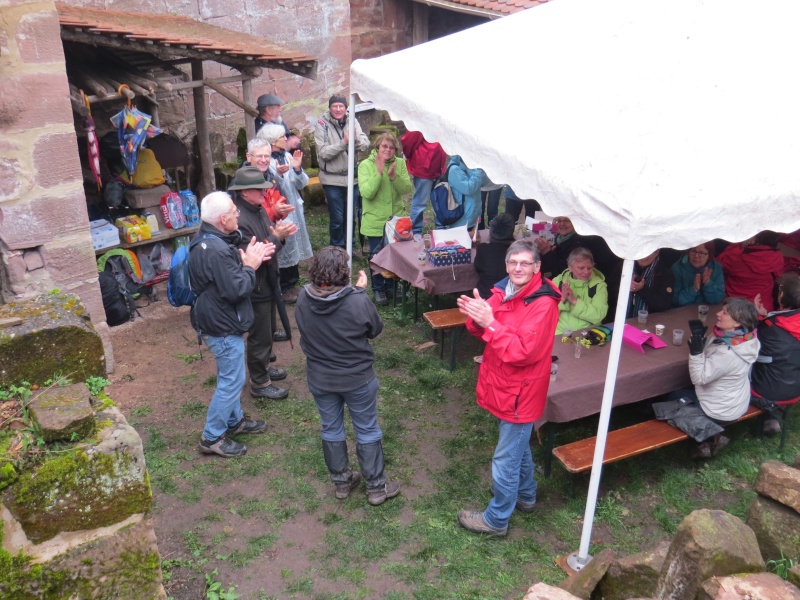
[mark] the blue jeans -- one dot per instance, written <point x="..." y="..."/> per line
<point x="363" y="406"/>
<point x="336" y="197"/>
<point x="379" y="282"/>
<point x="225" y="409"/>
<point x="419" y="202"/>
<point x="512" y="473"/>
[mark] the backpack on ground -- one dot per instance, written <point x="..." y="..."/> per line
<point x="445" y="206"/>
<point x="115" y="302"/>
<point x="123" y="267"/>
<point x="179" y="286"/>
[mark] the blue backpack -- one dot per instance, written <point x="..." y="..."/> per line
<point x="445" y="206"/>
<point x="179" y="287"/>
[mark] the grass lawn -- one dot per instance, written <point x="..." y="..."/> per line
<point x="267" y="525"/>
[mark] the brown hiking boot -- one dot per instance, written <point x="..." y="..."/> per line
<point x="343" y="489"/>
<point x="381" y="495"/>
<point x="473" y="520"/>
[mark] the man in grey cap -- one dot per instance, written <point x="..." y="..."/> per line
<point x="247" y="188"/>
<point x="269" y="107"/>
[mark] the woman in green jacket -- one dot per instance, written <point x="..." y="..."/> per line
<point x="584" y="293"/>
<point x="382" y="180"/>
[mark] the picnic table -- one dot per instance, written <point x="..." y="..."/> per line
<point x="577" y="391"/>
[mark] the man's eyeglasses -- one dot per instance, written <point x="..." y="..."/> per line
<point x="698" y="253"/>
<point x="234" y="212"/>
<point x="258" y="158"/>
<point x="519" y="263"/>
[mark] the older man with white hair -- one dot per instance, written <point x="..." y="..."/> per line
<point x="223" y="276"/>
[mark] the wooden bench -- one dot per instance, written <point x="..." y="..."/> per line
<point x="628" y="441"/>
<point x="443" y="321"/>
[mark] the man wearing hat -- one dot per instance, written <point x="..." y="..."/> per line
<point x="332" y="137"/>
<point x="269" y="108"/>
<point x="248" y="187"/>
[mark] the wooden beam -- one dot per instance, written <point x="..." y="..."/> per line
<point x="185" y="85"/>
<point x="247" y="98"/>
<point x="206" y="184"/>
<point x="232" y="97"/>
<point x="419" y="34"/>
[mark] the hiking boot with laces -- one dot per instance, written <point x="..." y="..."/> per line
<point x="381" y="495"/>
<point x="343" y="489"/>
<point x="276" y="373"/>
<point x="280" y="336"/>
<point x="474" y="521"/>
<point x="223" y="447"/>
<point x="269" y="391"/>
<point x="248" y="425"/>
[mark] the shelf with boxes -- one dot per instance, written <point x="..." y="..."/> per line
<point x="162" y="215"/>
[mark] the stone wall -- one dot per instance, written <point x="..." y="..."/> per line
<point x="44" y="230"/>
<point x="380" y="26"/>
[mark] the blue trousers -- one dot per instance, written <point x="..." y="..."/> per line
<point x="336" y="197"/>
<point x="419" y="202"/>
<point x="225" y="409"/>
<point x="512" y="472"/>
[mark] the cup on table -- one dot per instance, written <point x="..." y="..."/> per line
<point x="567" y="332"/>
<point x="677" y="337"/>
<point x="553" y="372"/>
<point x="702" y="312"/>
<point x="422" y="257"/>
<point x="417" y="240"/>
<point x="659" y="330"/>
<point x="426" y="240"/>
<point x="643" y="316"/>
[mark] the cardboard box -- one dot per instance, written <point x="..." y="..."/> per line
<point x="444" y="256"/>
<point x="104" y="236"/>
<point x="133" y="228"/>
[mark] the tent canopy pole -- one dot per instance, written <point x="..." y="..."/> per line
<point x="351" y="162"/>
<point x="582" y="558"/>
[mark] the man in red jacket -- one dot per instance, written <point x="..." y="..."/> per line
<point x="518" y="324"/>
<point x="425" y="162"/>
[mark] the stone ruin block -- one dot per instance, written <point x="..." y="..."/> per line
<point x="583" y="582"/>
<point x="777" y="528"/>
<point x="707" y="543"/>
<point x="542" y="591"/>
<point x="55" y="337"/>
<point x="635" y="575"/>
<point x="779" y="482"/>
<point x="63" y="412"/>
<point x="761" y="586"/>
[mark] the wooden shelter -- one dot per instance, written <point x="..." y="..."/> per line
<point x="143" y="50"/>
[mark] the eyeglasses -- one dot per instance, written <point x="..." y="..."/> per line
<point x="519" y="263"/>
<point x="558" y="220"/>
<point x="698" y="253"/>
<point x="260" y="158"/>
<point x="388" y="147"/>
<point x="235" y="212"/>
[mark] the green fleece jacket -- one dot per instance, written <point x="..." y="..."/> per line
<point x="592" y="305"/>
<point x="381" y="197"/>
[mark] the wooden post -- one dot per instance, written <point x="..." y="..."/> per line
<point x="206" y="184"/>
<point x="419" y="35"/>
<point x="247" y="98"/>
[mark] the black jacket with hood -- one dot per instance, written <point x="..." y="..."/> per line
<point x="335" y="330"/>
<point x="222" y="284"/>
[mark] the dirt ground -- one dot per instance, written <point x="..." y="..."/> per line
<point x="164" y="392"/>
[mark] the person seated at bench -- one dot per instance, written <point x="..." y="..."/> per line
<point x="751" y="267"/>
<point x="584" y="293"/>
<point x="698" y="277"/>
<point x="490" y="259"/>
<point x="554" y="257"/>
<point x="719" y="365"/>
<point x="776" y="374"/>
<point x="653" y="282"/>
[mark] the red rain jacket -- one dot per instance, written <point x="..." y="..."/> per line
<point x="425" y="160"/>
<point x="751" y="270"/>
<point x="515" y="372"/>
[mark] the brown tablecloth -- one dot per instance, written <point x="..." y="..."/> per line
<point x="578" y="389"/>
<point x="401" y="259"/>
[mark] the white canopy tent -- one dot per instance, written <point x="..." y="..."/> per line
<point x="649" y="123"/>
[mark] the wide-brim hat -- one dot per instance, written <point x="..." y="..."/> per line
<point x="269" y="100"/>
<point x="249" y="178"/>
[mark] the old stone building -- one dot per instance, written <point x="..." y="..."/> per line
<point x="44" y="228"/>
